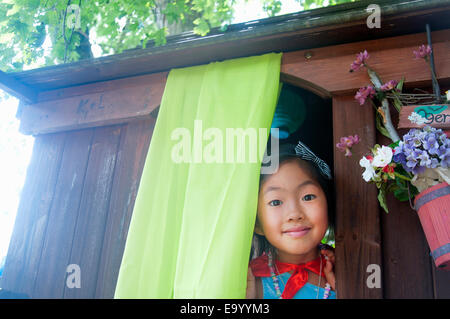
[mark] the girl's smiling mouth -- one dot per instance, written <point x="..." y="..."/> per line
<point x="297" y="231"/>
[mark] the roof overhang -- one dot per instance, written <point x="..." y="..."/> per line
<point x="297" y="31"/>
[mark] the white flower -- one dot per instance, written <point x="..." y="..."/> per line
<point x="369" y="172"/>
<point x="416" y="118"/>
<point x="383" y="157"/>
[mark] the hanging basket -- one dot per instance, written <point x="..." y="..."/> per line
<point x="433" y="208"/>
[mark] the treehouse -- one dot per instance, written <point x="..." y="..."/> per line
<point x="93" y="122"/>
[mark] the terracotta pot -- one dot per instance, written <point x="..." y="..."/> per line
<point x="433" y="208"/>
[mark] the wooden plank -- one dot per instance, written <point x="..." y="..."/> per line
<point x="406" y="256"/>
<point x="441" y="279"/>
<point x="392" y="58"/>
<point x="435" y="115"/>
<point x="23" y="92"/>
<point x="93" y="211"/>
<point x="407" y="264"/>
<point x="94" y="105"/>
<point x="33" y="214"/>
<point x="357" y="214"/>
<point x="99" y="87"/>
<point x="51" y="276"/>
<point x="135" y="140"/>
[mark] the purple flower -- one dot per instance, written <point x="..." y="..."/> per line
<point x="442" y="151"/>
<point x="431" y="145"/>
<point x="415" y="141"/>
<point x="364" y="93"/>
<point x="399" y="155"/>
<point x="346" y="144"/>
<point x="424" y="159"/>
<point x="445" y="156"/>
<point x="423" y="148"/>
<point x="434" y="163"/>
<point x="423" y="52"/>
<point x="413" y="165"/>
<point x="361" y="59"/>
<point x="392" y="84"/>
<point x="442" y="138"/>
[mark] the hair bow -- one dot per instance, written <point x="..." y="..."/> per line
<point x="305" y="153"/>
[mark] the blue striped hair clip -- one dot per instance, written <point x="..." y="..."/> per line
<point x="306" y="154"/>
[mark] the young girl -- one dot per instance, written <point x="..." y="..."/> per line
<point x="292" y="219"/>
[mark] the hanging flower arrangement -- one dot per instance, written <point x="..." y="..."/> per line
<point x="416" y="165"/>
<point x="411" y="164"/>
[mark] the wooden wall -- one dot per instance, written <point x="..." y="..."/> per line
<point x="75" y="209"/>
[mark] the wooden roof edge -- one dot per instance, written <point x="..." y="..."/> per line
<point x="307" y="22"/>
<point x="23" y="92"/>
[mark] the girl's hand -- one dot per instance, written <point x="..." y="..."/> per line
<point x="251" y="285"/>
<point x="328" y="252"/>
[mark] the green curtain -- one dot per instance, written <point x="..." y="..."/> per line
<point x="192" y="224"/>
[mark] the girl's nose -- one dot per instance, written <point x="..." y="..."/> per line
<point x="295" y="216"/>
<point x="295" y="212"/>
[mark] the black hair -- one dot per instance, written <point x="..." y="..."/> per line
<point x="259" y="243"/>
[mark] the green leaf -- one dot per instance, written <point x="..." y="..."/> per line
<point x="380" y="126"/>
<point x="13" y="10"/>
<point x="401" y="194"/>
<point x="382" y="199"/>
<point x="202" y="27"/>
<point x="224" y="28"/>
<point x="394" y="145"/>
<point x="396" y="100"/>
<point x="6" y="37"/>
<point x="400" y="84"/>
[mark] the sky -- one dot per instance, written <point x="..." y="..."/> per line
<point x="15" y="154"/>
<point x="16" y="148"/>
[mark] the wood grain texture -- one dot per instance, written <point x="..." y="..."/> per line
<point x="132" y="152"/>
<point x="32" y="217"/>
<point x="327" y="71"/>
<point x="406" y="256"/>
<point x="93" y="211"/>
<point x="94" y="105"/>
<point x="51" y="276"/>
<point x="358" y="238"/>
<point x="10" y="85"/>
<point x="441" y="279"/>
<point x="84" y="204"/>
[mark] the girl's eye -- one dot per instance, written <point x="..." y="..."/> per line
<point x="275" y="202"/>
<point x="309" y="197"/>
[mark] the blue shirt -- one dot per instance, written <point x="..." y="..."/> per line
<point x="308" y="291"/>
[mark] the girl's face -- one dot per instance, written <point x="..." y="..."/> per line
<point x="292" y="213"/>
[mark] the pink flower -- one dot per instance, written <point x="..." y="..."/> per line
<point x="364" y="93"/>
<point x="392" y="84"/>
<point x="423" y="52"/>
<point x="346" y="143"/>
<point x="361" y="59"/>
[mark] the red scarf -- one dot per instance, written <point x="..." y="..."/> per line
<point x="260" y="268"/>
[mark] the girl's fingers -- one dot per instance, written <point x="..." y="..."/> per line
<point x="329" y="254"/>
<point x="329" y="274"/>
